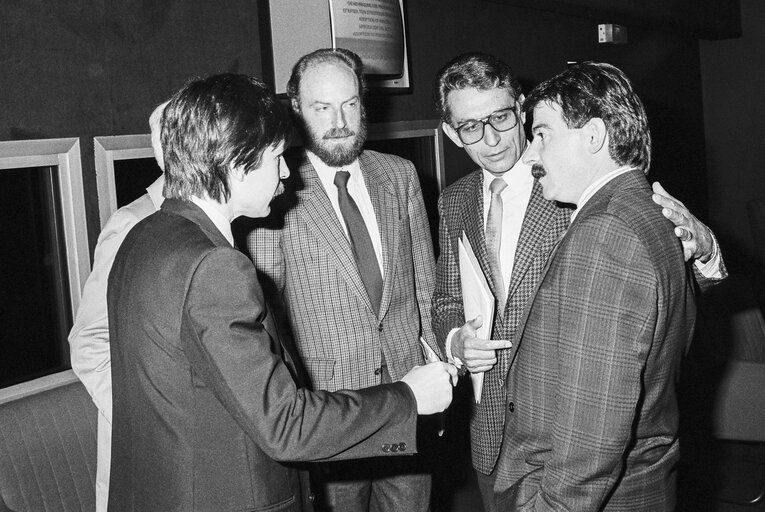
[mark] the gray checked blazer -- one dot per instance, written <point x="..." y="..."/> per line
<point x="338" y="336"/>
<point x="592" y="410"/>
<point x="461" y="209"/>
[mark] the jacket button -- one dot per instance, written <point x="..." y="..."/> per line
<point x="386" y="448"/>
<point x="394" y="448"/>
<point x="378" y="371"/>
<point x="380" y="327"/>
<point x="402" y="447"/>
<point x="511" y="406"/>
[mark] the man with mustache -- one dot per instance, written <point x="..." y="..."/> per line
<point x="595" y="419"/>
<point x="353" y="263"/>
<point x="512" y="229"/>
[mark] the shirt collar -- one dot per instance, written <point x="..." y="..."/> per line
<point x="518" y="176"/>
<point x="597" y="185"/>
<point x="220" y="221"/>
<point x="155" y="191"/>
<point x="327" y="173"/>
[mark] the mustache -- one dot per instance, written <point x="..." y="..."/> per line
<point x="538" y="171"/>
<point x="337" y="133"/>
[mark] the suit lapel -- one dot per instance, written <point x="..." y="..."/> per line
<point x="318" y="214"/>
<point x="544" y="227"/>
<point x="534" y="240"/>
<point x="387" y="212"/>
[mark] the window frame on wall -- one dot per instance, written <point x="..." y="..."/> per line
<point x="109" y="149"/>
<point x="64" y="155"/>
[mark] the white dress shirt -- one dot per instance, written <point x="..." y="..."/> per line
<point x="358" y="191"/>
<point x="515" y="201"/>
<point x="89" y="337"/>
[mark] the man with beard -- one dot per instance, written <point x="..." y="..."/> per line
<point x="204" y="407"/>
<point x="353" y="263"/>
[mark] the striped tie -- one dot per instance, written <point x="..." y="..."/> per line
<point x="494" y="240"/>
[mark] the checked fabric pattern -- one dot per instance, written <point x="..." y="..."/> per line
<point x="461" y="209"/>
<point x="340" y="338"/>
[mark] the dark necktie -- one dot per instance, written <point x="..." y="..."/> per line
<point x="361" y="243"/>
<point x="494" y="239"/>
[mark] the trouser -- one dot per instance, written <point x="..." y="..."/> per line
<point x="486" y="487"/>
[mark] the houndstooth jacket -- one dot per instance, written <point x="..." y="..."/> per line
<point x="309" y="261"/>
<point x="461" y="209"/>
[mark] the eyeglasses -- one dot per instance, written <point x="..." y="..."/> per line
<point x="502" y="120"/>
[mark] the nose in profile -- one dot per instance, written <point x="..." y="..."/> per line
<point x="284" y="171"/>
<point x="532" y="154"/>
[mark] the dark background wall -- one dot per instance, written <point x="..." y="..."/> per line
<point x="98" y="67"/>
<point x="733" y="77"/>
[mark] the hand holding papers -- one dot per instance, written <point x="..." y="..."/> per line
<point x="477" y="299"/>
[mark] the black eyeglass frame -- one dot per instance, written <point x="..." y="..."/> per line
<point x="490" y="121"/>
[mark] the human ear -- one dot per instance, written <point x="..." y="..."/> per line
<point x="452" y="134"/>
<point x="236" y="172"/>
<point x="597" y="134"/>
<point x="519" y="104"/>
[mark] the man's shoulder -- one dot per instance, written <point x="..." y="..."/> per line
<point x="371" y="157"/>
<point x="628" y="197"/>
<point x="140" y="208"/>
<point x="123" y="220"/>
<point x="464" y="185"/>
<point x="166" y="232"/>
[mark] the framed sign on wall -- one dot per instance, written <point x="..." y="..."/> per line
<point x="373" y="29"/>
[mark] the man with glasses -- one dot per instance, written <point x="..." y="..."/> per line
<point x="512" y="230"/>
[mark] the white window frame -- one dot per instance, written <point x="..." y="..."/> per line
<point x="64" y="154"/>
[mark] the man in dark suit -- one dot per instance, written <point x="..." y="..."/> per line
<point x="480" y="103"/>
<point x="592" y="415"/>
<point x="204" y="407"/>
<point x="357" y="285"/>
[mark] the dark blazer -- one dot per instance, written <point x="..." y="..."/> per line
<point x="592" y="411"/>
<point x="461" y="209"/>
<point x="339" y="337"/>
<point x="203" y="405"/>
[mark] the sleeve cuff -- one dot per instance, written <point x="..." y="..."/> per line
<point x="456" y="361"/>
<point x="712" y="269"/>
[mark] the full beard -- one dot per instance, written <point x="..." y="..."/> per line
<point x="334" y="154"/>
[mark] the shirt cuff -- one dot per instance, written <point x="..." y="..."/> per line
<point x="712" y="268"/>
<point x="456" y="361"/>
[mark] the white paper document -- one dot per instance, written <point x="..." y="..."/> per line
<point x="477" y="299"/>
<point x="428" y="353"/>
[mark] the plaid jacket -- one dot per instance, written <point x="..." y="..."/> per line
<point x="309" y="261"/>
<point x="461" y="209"/>
<point x="594" y="416"/>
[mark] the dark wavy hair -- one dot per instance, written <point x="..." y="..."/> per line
<point x="478" y="70"/>
<point x="213" y="124"/>
<point x="590" y="89"/>
<point x="321" y="56"/>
